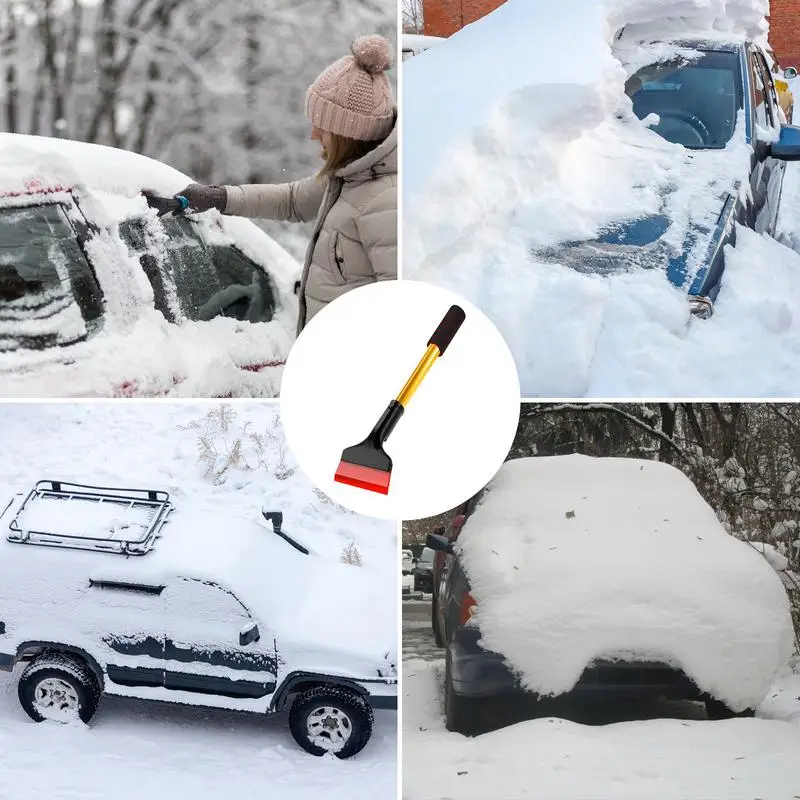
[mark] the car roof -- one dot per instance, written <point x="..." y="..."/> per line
<point x="30" y="163"/>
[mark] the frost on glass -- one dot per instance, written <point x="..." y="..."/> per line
<point x="38" y="252"/>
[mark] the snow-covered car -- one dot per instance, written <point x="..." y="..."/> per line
<point x="100" y="296"/>
<point x="604" y="576"/>
<point x="407" y="562"/>
<point x="717" y="99"/>
<point x="414" y="44"/>
<point x="113" y="591"/>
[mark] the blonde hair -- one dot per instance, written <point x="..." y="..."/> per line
<point x="344" y="151"/>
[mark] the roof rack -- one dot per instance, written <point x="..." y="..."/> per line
<point x="71" y="515"/>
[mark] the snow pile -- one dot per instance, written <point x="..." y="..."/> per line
<point x="513" y="148"/>
<point x="138" y="352"/>
<point x="573" y="559"/>
<point x="657" y="759"/>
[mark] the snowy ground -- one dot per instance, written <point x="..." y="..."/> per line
<point x="619" y="755"/>
<point x="510" y="147"/>
<point x="132" y="749"/>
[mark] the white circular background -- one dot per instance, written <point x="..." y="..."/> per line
<point x="354" y="357"/>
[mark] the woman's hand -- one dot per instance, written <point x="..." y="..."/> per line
<point x="202" y="198"/>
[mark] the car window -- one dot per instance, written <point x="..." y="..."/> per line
<point x="768" y="90"/>
<point x="135" y="235"/>
<point x="215" y="280"/>
<point x="48" y="293"/>
<point x="696" y="101"/>
<point x="205" y="602"/>
<point x="761" y="107"/>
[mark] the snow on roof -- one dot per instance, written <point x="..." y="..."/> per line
<point x="415" y="41"/>
<point x="30" y="161"/>
<point x="573" y="558"/>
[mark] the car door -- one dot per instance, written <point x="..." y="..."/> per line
<point x="126" y="622"/>
<point x="767" y="176"/>
<point x="204" y="649"/>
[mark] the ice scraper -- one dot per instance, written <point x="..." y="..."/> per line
<point x="366" y="465"/>
<point x="164" y="205"/>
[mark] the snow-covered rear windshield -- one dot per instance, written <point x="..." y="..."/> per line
<point x="696" y="101"/>
<point x="214" y="279"/>
<point x="47" y="289"/>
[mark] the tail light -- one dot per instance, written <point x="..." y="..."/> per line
<point x="455" y="526"/>
<point x="467" y="608"/>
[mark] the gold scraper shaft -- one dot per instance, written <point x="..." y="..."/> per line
<point x="422" y="369"/>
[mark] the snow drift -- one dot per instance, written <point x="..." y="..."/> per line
<point x="519" y="138"/>
<point x="573" y="558"/>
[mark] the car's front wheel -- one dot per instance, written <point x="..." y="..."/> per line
<point x="59" y="687"/>
<point x="717" y="710"/>
<point x="331" y="719"/>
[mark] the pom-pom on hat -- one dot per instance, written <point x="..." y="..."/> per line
<point x="352" y="97"/>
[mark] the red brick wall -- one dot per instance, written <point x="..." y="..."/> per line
<point x="445" y="17"/>
<point x="784" y="31"/>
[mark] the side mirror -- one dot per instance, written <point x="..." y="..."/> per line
<point x="440" y="543"/>
<point x="790" y="73"/>
<point x="787" y="148"/>
<point x="249" y="634"/>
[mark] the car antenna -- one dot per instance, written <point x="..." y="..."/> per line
<point x="276" y="518"/>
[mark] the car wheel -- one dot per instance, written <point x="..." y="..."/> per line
<point x="331" y="719"/>
<point x="60" y="687"/>
<point x="717" y="710"/>
<point x="461" y="714"/>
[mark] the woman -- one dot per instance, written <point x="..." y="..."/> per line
<point x="353" y="198"/>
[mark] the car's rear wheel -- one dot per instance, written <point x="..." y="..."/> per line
<point x="58" y="687"/>
<point x="331" y="719"/>
<point x="717" y="710"/>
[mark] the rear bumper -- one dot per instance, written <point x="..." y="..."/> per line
<point x="480" y="673"/>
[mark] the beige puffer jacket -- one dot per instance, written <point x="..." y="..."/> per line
<point x="355" y="235"/>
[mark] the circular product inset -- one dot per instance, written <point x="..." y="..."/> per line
<point x="397" y="358"/>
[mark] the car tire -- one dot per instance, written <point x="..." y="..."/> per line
<point x="717" y="710"/>
<point x="461" y="714"/>
<point x="347" y="712"/>
<point x="60" y="687"/>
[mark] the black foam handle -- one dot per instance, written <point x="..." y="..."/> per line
<point x="448" y="328"/>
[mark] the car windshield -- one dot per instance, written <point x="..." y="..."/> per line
<point x="214" y="279"/>
<point x="696" y="101"/>
<point x="48" y="293"/>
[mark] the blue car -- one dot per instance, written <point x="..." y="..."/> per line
<point x="697" y="96"/>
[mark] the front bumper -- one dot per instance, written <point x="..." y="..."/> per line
<point x="481" y="673"/>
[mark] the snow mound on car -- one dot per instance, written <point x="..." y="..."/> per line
<point x="518" y="136"/>
<point x="573" y="559"/>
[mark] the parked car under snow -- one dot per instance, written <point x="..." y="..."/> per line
<point x="716" y="100"/>
<point x="604" y="576"/>
<point x="113" y="591"/>
<point x="101" y="297"/>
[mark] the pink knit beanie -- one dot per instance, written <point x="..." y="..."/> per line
<point x="352" y="97"/>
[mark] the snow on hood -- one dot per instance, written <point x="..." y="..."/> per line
<point x="572" y="559"/>
<point x="137" y="351"/>
<point x="519" y="138"/>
